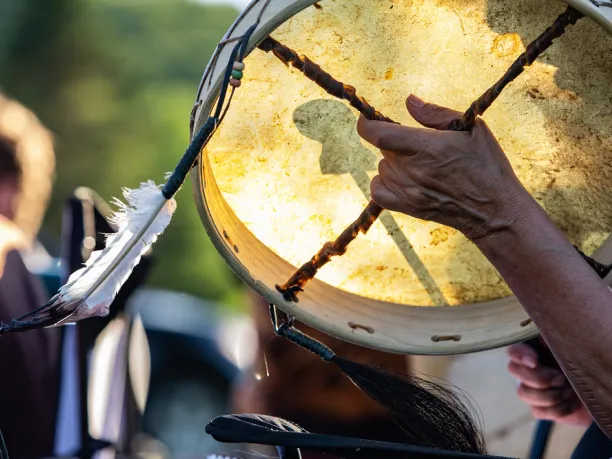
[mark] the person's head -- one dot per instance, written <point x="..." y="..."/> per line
<point x="27" y="163"/>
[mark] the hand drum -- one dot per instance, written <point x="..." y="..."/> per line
<point x="286" y="171"/>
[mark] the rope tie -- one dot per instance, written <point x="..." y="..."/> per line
<point x="306" y="342"/>
<point x="175" y="181"/>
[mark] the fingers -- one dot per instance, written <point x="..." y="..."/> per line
<point x="382" y="195"/>
<point x="538" y="378"/>
<point x="395" y="137"/>
<point x="394" y="191"/>
<point x="523" y="354"/>
<point x="558" y="411"/>
<point x="431" y="115"/>
<point x="545" y="398"/>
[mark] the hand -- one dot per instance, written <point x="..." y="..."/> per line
<point x="459" y="179"/>
<point x="546" y="390"/>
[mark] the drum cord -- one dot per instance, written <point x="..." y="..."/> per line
<point x="334" y="87"/>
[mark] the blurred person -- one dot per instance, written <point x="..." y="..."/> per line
<point x="29" y="361"/>
<point x="549" y="394"/>
<point x="291" y="383"/>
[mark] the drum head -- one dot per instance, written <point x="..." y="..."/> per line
<point x="287" y="172"/>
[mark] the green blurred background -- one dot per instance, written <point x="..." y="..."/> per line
<point x="115" y="81"/>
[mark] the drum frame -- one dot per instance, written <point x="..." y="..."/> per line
<point x="375" y="324"/>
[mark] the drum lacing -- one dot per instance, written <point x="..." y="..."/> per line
<point x="312" y="71"/>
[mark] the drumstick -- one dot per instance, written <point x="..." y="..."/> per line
<point x="314" y="72"/>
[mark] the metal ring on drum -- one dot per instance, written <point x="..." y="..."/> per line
<point x="286" y="171"/>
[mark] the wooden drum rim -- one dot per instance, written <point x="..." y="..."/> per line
<point x="375" y="324"/>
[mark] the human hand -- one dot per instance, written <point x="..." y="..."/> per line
<point x="546" y="390"/>
<point x="459" y="179"/>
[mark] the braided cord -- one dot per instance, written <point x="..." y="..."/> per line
<point x="294" y="335"/>
<point x="323" y="79"/>
<point x="175" y="181"/>
<point x="533" y="51"/>
<point x="306" y="342"/>
<point x="309" y="270"/>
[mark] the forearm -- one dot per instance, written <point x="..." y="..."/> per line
<point x="568" y="302"/>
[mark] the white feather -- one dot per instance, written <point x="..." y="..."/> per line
<point x="90" y="290"/>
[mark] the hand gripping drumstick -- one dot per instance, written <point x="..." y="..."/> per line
<point x="338" y="89"/>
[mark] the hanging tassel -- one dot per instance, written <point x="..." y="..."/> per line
<point x="430" y="414"/>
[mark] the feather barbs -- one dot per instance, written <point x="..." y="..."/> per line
<point x="140" y="220"/>
<point x="90" y="291"/>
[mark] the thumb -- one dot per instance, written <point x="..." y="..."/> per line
<point x="431" y="115"/>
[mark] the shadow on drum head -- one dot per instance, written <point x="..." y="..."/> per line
<point x="333" y="124"/>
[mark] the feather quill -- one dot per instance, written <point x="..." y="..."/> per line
<point x="90" y="291"/>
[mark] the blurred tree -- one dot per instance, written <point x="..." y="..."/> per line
<point x="115" y="82"/>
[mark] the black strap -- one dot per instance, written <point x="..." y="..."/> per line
<point x="601" y="269"/>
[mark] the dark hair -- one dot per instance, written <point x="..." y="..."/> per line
<point x="9" y="166"/>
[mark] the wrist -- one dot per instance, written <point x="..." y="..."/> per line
<point x="509" y="211"/>
<point x="519" y="221"/>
